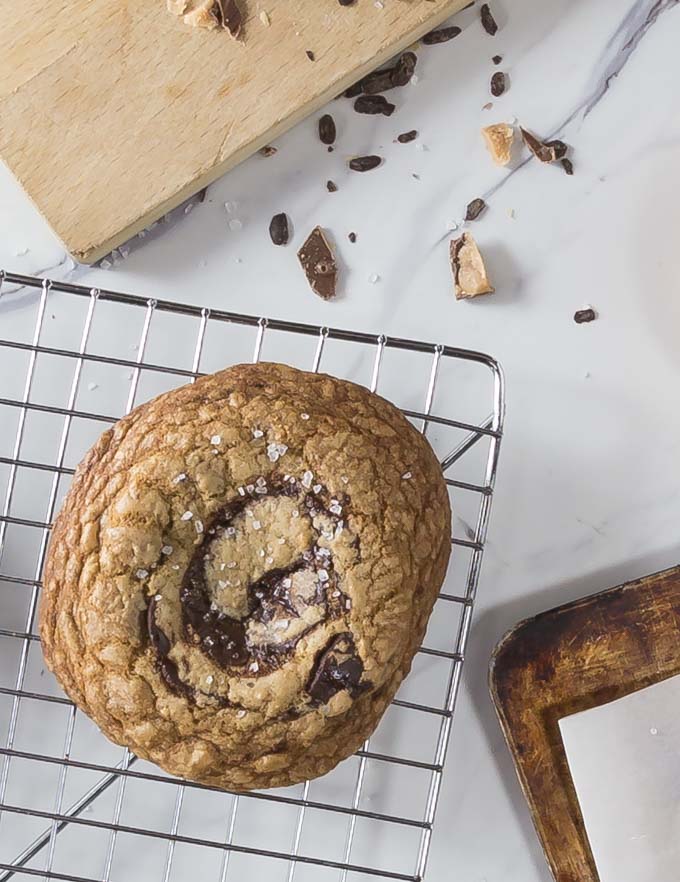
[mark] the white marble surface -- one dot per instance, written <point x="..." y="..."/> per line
<point x="588" y="490"/>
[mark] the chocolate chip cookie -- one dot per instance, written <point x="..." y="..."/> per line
<point x="242" y="571"/>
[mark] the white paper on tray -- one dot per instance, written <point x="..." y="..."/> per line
<point x="625" y="762"/>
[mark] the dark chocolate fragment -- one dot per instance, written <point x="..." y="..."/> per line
<point x="374" y="104"/>
<point x="441" y="35"/>
<point x="278" y="229"/>
<point x="310" y="55"/>
<point x="338" y="667"/>
<point x="584" y="315"/>
<point x="474" y="209"/>
<point x="346" y="2"/>
<point x="228" y="16"/>
<point x="568" y="166"/>
<point x="488" y="21"/>
<point x="497" y="85"/>
<point x="331" y="187"/>
<point x="405" y="137"/>
<point x="364" y="163"/>
<point x="268" y="150"/>
<point x="327" y="130"/>
<point x="200" y="196"/>
<point x="546" y="151"/>
<point x="318" y="262"/>
<point x="387" y="78"/>
<point x="497" y="59"/>
<point x="352" y="237"/>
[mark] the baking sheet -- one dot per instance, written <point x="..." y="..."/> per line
<point x="624" y="759"/>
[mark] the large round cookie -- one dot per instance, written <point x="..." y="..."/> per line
<point x="242" y="571"/>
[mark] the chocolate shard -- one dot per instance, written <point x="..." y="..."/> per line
<point x="331" y="186"/>
<point x="499" y="140"/>
<point x="327" y="130"/>
<point x="346" y="2"/>
<point x="488" y="21"/>
<point x="318" y="262"/>
<point x="268" y="150"/>
<point x="568" y="166"/>
<point x="364" y="163"/>
<point x="310" y="55"/>
<point x="474" y="209"/>
<point x="352" y="237"/>
<point x="405" y="137"/>
<point x="467" y="265"/>
<point x="546" y="151"/>
<point x="441" y="35"/>
<point x="497" y="59"/>
<point x="338" y="667"/>
<point x="278" y="229"/>
<point x="498" y="84"/>
<point x="228" y="15"/>
<point x="374" y="104"/>
<point x="582" y="316"/>
<point x="387" y="78"/>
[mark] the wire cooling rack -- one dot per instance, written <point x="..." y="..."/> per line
<point x="75" y="807"/>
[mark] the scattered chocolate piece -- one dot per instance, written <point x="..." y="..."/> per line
<point x="546" y="151"/>
<point x="338" y="667"/>
<point x="488" y="21"/>
<point x="352" y="237"/>
<point x="487" y="106"/>
<point x="469" y="272"/>
<point x="318" y="262"/>
<point x="568" y="166"/>
<point x="497" y="59"/>
<point x="354" y="90"/>
<point x="405" y="137"/>
<point x="585" y="315"/>
<point x="499" y="140"/>
<point x="441" y="35"/>
<point x="268" y="150"/>
<point x="497" y="84"/>
<point x="310" y="55"/>
<point x="364" y="163"/>
<point x="474" y="209"/>
<point x="388" y="78"/>
<point x="327" y="131"/>
<point x="228" y="16"/>
<point x="331" y="187"/>
<point x="330" y="148"/>
<point x="278" y="229"/>
<point x="346" y="2"/>
<point x="374" y="104"/>
<point x="200" y="196"/>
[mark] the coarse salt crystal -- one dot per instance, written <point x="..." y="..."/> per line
<point x="261" y="552"/>
<point x="323" y="575"/>
<point x="241" y="491"/>
<point x="235" y="224"/>
<point x="304" y="416"/>
<point x="374" y="278"/>
<point x="406" y="476"/>
<point x="250" y="488"/>
<point x="282" y="541"/>
<point x="307" y="479"/>
<point x="323" y="552"/>
<point x="209" y="679"/>
<point x="261" y="482"/>
<point x="199" y="525"/>
<point x="274" y="451"/>
<point x="158" y="597"/>
<point x="348" y="604"/>
<point x="92" y="386"/>
<point x="254" y="667"/>
<point x="230" y="531"/>
<point x="216" y="439"/>
<point x="141" y="574"/>
<point x="316" y="488"/>
<point x="223" y="566"/>
<point x="269" y="560"/>
<point x="335" y="594"/>
<point x="281" y="624"/>
<point x="187" y="516"/>
<point x="295" y="513"/>
<point x="344" y="479"/>
<point x="240" y="714"/>
<point x="335" y="507"/>
<point x="181" y="477"/>
<point x="232" y="564"/>
<point x="257" y="525"/>
<point x="287" y="582"/>
<point x="222" y="584"/>
<point x="175" y="566"/>
<point x="257" y="433"/>
<point x="167" y="549"/>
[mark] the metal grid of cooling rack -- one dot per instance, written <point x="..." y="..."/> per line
<point x="90" y="794"/>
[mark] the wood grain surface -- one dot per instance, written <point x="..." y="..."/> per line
<point x="112" y="113"/>
<point x="567" y="660"/>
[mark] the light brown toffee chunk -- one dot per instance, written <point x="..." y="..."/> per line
<point x="499" y="139"/>
<point x="467" y="265"/>
<point x="209" y="14"/>
<point x="242" y="571"/>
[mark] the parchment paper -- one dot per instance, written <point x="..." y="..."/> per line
<point x="625" y="761"/>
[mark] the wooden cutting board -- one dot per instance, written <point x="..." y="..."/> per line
<point x="568" y="660"/>
<point x="113" y="111"/>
